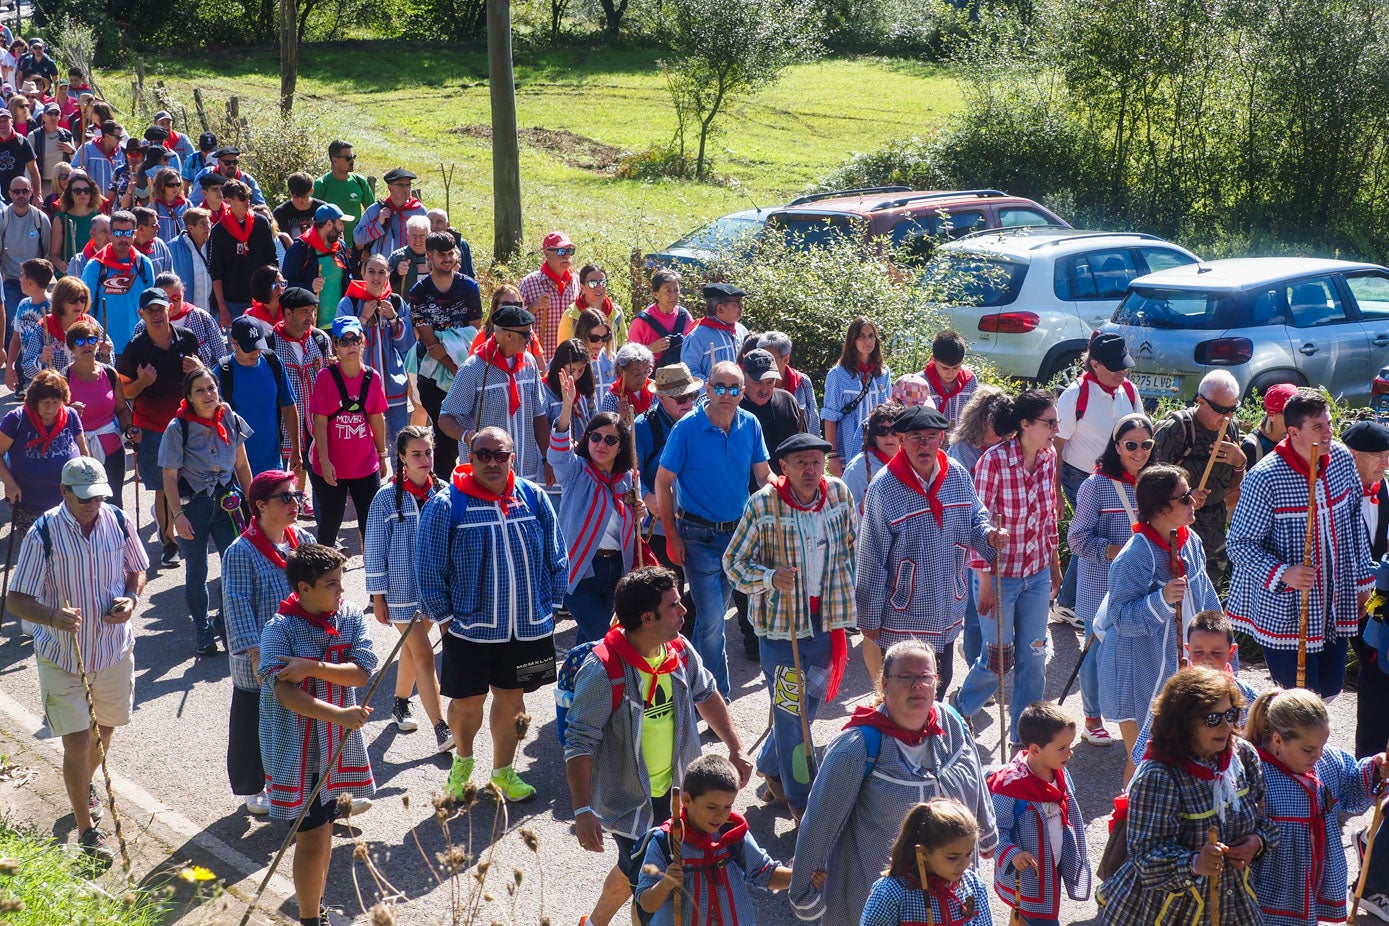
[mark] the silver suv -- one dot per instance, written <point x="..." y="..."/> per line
<point x="1028" y="299"/>
<point x="1267" y="320"/>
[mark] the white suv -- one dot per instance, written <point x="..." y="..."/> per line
<point x="1029" y="298"/>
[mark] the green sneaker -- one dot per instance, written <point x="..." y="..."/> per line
<point x="511" y="785"/>
<point x="458" y="776"/>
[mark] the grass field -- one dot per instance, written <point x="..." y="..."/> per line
<point x="420" y="106"/>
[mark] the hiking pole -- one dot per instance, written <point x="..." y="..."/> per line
<point x="9" y="556"/>
<point x="1075" y="673"/>
<point x="921" y="877"/>
<point x="629" y="419"/>
<point x="1375" y="821"/>
<point x="1307" y="542"/>
<point x="100" y="748"/>
<point x="1213" y="838"/>
<point x="677" y="848"/>
<point x="1210" y="463"/>
<point x="1178" y="570"/>
<point x="1002" y="667"/>
<point x="323" y="779"/>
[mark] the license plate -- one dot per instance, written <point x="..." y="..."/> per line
<point x="1382" y="405"/>
<point x="1151" y="384"/>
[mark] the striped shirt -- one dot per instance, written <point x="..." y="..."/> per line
<point x="86" y="573"/>
<point x="476" y="407"/>
<point x="302" y="360"/>
<point x="535" y="285"/>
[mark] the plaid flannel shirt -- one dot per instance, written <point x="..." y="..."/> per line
<point x="535" y="285"/>
<point x="1022" y="503"/>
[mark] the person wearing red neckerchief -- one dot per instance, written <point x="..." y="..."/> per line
<point x="239" y="244"/>
<point x="381" y="229"/>
<point x="593" y="294"/>
<point x="631" y="386"/>
<point x="1087" y="410"/>
<point x="549" y="292"/>
<point x="180" y="145"/>
<point x="1368" y="443"/>
<point x="665" y="684"/>
<point x="953" y="894"/>
<point x="854" y="386"/>
<point x="318" y="260"/>
<point x="778" y="344"/>
<point x="147" y="240"/>
<point x="792" y="555"/>
<point x="36" y="439"/>
<point x="719" y="335"/>
<point x="227" y="163"/>
<point x="917" y="518"/>
<point x="1266" y="546"/>
<point x="950" y="382"/>
<point x="101" y="157"/>
<point x="880" y="445"/>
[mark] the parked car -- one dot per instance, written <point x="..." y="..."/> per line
<point x="739" y="230"/>
<point x="1267" y="320"/>
<point x="1028" y="299"/>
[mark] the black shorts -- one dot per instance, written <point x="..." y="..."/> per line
<point x="469" y="669"/>
<point x="320" y="813"/>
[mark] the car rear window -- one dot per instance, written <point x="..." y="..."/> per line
<point x="1181" y="309"/>
<point x="807" y="231"/>
<point x="968" y="279"/>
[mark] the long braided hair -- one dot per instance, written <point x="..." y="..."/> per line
<point x="411" y="432"/>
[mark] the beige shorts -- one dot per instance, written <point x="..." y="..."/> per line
<point x="65" y="704"/>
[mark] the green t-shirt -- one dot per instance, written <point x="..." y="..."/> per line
<point x="658" y="728"/>
<point x="352" y="196"/>
<point x="334" y="285"/>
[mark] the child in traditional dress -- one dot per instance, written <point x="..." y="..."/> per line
<point x="937" y="840"/>
<point x="718" y="856"/>
<point x="1303" y="880"/>
<point x="313" y="654"/>
<point x="1041" y="835"/>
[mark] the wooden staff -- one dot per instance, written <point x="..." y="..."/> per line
<point x="1213" y="838"/>
<point x="796" y="662"/>
<point x="1375" y="821"/>
<point x="1307" y="547"/>
<point x="1210" y="463"/>
<point x="629" y="419"/>
<point x="921" y="876"/>
<point x="1178" y="569"/>
<point x="677" y="851"/>
<point x="998" y="622"/>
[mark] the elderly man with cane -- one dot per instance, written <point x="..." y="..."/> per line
<point x="79" y="576"/>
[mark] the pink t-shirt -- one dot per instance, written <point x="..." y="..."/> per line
<point x="351" y="445"/>
<point x="643" y="333"/>
<point x="98" y="406"/>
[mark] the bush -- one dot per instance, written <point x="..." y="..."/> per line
<point x="903" y="161"/>
<point x="655" y="163"/>
<point x="273" y="147"/>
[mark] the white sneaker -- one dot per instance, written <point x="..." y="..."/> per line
<point x="360" y="805"/>
<point x="1096" y="736"/>
<point x="258" y="804"/>
<point x="1377" y="905"/>
<point x="1064" y="615"/>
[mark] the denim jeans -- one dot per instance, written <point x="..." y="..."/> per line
<point x="971" y="636"/>
<point x="778" y="668"/>
<point x="13" y="295"/>
<point x="206" y="517"/>
<point x="397" y="417"/>
<point x="1071" y="478"/>
<point x="591" y="601"/>
<point x="1326" y="671"/>
<point x="1024" y="607"/>
<point x="711" y="591"/>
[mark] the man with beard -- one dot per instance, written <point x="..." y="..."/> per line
<point x="16" y="155"/>
<point x="317" y="261"/>
<point x="228" y="164"/>
<point x="116" y="276"/>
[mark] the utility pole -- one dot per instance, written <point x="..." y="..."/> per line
<point x="506" y="154"/>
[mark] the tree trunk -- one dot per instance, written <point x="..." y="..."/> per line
<point x="506" y="154"/>
<point x="289" y="55"/>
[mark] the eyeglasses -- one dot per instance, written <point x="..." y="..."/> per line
<point x="685" y="399"/>
<point x="491" y="456"/>
<point x="1214" y="717"/>
<point x="122" y="233"/>
<point x="79" y="299"/>
<point x="229" y="163"/>
<point x="24" y="192"/>
<point x="79" y="190"/>
<point x="278" y="284"/>
<point x="721" y="389"/>
<point x="349" y="340"/>
<point x="911" y="681"/>
<point x="596" y="284"/>
<point x="346" y="157"/>
<point x="86" y="342"/>
<point x="1132" y="445"/>
<point x="600" y="338"/>
<point x="1221" y="409"/>
<point x="519" y="332"/>
<point x="1053" y="423"/>
<point x="1184" y="498"/>
<point x="610" y="439"/>
<point x="562" y="252"/>
<point x="290" y="498"/>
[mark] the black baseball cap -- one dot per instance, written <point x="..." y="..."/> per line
<point x="248" y="334"/>
<point x="1111" y="351"/>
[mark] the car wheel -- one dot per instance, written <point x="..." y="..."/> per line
<point x="1266" y="381"/>
<point x="1066" y="366"/>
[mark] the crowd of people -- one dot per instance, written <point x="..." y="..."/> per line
<point x="542" y="455"/>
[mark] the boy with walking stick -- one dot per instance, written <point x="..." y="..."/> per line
<point x="793" y="555"/>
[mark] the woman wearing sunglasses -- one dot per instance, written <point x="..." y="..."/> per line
<point x="594" y="296"/>
<point x="100" y="401"/>
<point x="1196" y="774"/>
<point x="597" y="514"/>
<point x="1105" y="514"/>
<point x="168" y="202"/>
<point x="253" y="585"/>
<point x="72" y="226"/>
<point x="1137" y="619"/>
<point x="880" y="445"/>
<point x="596" y="336"/>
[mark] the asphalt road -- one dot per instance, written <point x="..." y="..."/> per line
<point x="171" y="763"/>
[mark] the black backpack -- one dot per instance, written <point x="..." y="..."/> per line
<point x="345" y="402"/>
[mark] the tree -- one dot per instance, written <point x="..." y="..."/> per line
<point x="506" y="148"/>
<point x="612" y="16"/>
<point x="289" y="55"/>
<point x="724" y="49"/>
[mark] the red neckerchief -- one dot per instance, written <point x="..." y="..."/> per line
<point x="280" y="332"/>
<point x="146" y="249"/>
<point x="946" y="899"/>
<point x="1088" y="378"/>
<point x="89" y="250"/>
<point x="266" y="546"/>
<point x="1294" y="459"/>
<point x="793" y="379"/>
<point x="640" y="401"/>
<point x="411" y="203"/>
<point x="1161" y="543"/>
<point x="866" y="373"/>
<point x="616" y="640"/>
<point x="884" y="458"/>
<point x="1018" y="781"/>
<point x="938" y="386"/>
<point x="561" y="282"/>
<point x="1311" y="785"/>
<point x="172" y="141"/>
<point x="710" y="321"/>
<point x="358" y="290"/>
<point x="291" y="607"/>
<point x="420" y="492"/>
<point x="107" y="258"/>
<point x="610" y="480"/>
<point x="872" y="717"/>
<point x="901" y="467"/>
<point x="215" y="422"/>
<point x="218" y="214"/>
<point x="492" y="353"/>
<point x="45" y="438"/>
<point x="607" y="308"/>
<point x="783" y="491"/>
<point x="55" y="327"/>
<point x="314" y="240"/>
<point x="1372" y="491"/>
<point x="185" y="308"/>
<point x="715" y="850"/>
<point x="261" y="312"/>
<point x="171" y="207"/>
<point x="240" y="231"/>
<point x="465" y="482"/>
<point x="1191" y="767"/>
<point x="1124" y="476"/>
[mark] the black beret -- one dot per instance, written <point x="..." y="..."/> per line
<point x="802" y="441"/>
<point x="1366" y="436"/>
<point x="296" y="297"/>
<point x="920" y="418"/>
<point x="512" y="316"/>
<point x="398" y="173"/>
<point x="722" y="291"/>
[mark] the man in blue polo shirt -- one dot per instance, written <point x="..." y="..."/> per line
<point x="247" y="377"/>
<point x="708" y="457"/>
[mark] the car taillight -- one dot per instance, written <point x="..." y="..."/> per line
<point x="1381" y="385"/>
<point x="1225" y="352"/>
<point x="1010" y="322"/>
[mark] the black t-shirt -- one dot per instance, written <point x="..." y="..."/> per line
<point x="461" y="305"/>
<point x="155" y="405"/>
<point x="294" y="221"/>
<point x="15" y="155"/>
<point x="780" y="417"/>
<point x="233" y="263"/>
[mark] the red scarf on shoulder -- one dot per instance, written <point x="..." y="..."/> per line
<point x="240" y="231"/>
<point x="616" y="640"/>
<point x="465" y="482"/>
<point x="44" y="436"/>
<point x="793" y="379"/>
<point x="944" y="893"/>
<point x="872" y="717"/>
<point x="1190" y="766"/>
<point x="938" y="385"/>
<point x="710" y="321"/>
<point x="1159" y="541"/>
<point x="492" y="353"/>
<point x="357" y="289"/>
<point x="314" y="240"/>
<point x="265" y="545"/>
<point x="640" y="401"/>
<point x="419" y="492"/>
<point x="54" y="327"/>
<point x="1018" y="781"/>
<point x="215" y="422"/>
<point x="292" y="608"/>
<point x="607" y="308"/>
<point x="561" y="282"/>
<point x="1299" y="464"/>
<point x="107" y="258"/>
<point x="901" y="467"/>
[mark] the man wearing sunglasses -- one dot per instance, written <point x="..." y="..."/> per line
<point x="711" y="455"/>
<point x="343" y="187"/>
<point x="227" y="162"/>
<point x="719" y="334"/>
<point x="1189" y="438"/>
<point x="24" y="231"/>
<point x="676" y="393"/>
<point x="552" y="289"/>
<point x="101" y="157"/>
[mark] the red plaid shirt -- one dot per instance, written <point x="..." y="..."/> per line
<point x="1022" y="503"/>
<point x="537" y="284"/>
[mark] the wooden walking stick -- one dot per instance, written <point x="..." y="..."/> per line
<point x="921" y="876"/>
<point x="1213" y="838"/>
<point x="629" y="419"/>
<point x="677" y="842"/>
<point x="1307" y="558"/>
<point x="9" y="555"/>
<point x="1002" y="668"/>
<point x="1210" y="463"/>
<point x="323" y="779"/>
<point x="1178" y="570"/>
<point x="1375" y="821"/>
<point x="100" y="750"/>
